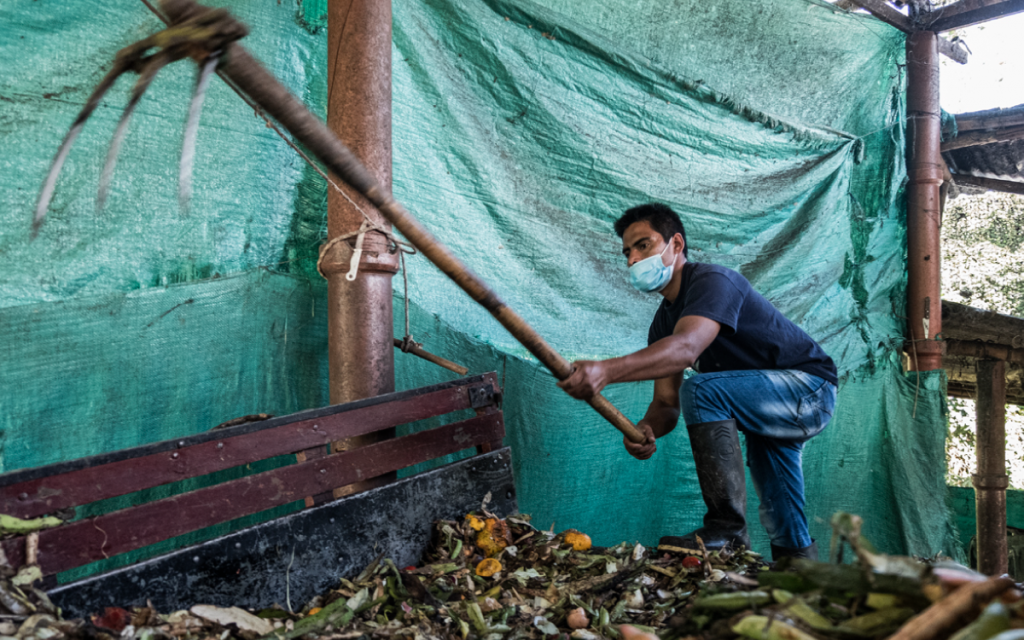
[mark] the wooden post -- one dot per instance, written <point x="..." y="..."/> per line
<point x="990" y="481"/>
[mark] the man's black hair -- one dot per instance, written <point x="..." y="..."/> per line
<point x="661" y="218"/>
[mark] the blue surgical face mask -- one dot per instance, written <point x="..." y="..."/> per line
<point x="651" y="274"/>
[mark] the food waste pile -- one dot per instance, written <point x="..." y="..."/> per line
<point x="488" y="578"/>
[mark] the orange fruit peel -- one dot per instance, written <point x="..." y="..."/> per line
<point x="488" y="567"/>
<point x="579" y="541"/>
<point x="493" y="537"/>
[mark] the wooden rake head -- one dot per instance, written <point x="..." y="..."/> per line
<point x="202" y="37"/>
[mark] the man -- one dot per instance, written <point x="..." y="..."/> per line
<point x="758" y="373"/>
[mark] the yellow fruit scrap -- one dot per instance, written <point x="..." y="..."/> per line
<point x="314" y="611"/>
<point x="493" y="537"/>
<point x="579" y="541"/>
<point x="474" y="522"/>
<point x="488" y="567"/>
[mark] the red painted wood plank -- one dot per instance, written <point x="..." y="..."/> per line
<point x="46" y="495"/>
<point x="84" y="541"/>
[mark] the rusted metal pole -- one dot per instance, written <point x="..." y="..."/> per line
<point x="924" y="171"/>
<point x="990" y="481"/>
<point x="360" y="330"/>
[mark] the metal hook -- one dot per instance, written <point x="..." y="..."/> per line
<point x="150" y="67"/>
<point x="188" y="146"/>
<point x="49" y="185"/>
<point x="201" y="36"/>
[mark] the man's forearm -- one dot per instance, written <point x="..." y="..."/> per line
<point x="662" y="418"/>
<point x="663" y="359"/>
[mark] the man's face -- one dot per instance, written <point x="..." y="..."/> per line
<point x="641" y="241"/>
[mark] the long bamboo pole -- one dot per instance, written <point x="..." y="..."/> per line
<point x="249" y="76"/>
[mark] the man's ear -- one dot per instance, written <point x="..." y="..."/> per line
<point x="682" y="243"/>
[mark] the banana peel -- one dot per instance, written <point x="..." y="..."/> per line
<point x="11" y="525"/>
<point x="27" y="575"/>
<point x="765" y="628"/>
<point x="803" y="612"/>
<point x="993" y="620"/>
<point x="735" y="601"/>
<point x="876" y="623"/>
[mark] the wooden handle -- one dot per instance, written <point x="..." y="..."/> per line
<point x="263" y="88"/>
<point x="618" y="420"/>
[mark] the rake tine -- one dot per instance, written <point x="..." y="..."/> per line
<point x="188" y="146"/>
<point x="146" y="75"/>
<point x="46" y="194"/>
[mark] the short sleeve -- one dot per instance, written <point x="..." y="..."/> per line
<point x="653" y="334"/>
<point x="661" y="325"/>
<point x="714" y="295"/>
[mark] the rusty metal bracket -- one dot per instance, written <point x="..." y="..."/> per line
<point x="483" y="396"/>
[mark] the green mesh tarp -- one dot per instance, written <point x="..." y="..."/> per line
<point x="521" y="131"/>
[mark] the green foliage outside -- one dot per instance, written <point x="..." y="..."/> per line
<point x="983" y="266"/>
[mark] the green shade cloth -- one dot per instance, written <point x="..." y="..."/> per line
<point x="521" y="132"/>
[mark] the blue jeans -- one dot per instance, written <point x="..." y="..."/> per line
<point x="777" y="411"/>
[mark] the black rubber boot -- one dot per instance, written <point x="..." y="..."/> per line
<point x="719" y="461"/>
<point x="810" y="552"/>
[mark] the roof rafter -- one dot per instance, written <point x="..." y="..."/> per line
<point x="969" y="12"/>
<point x="981" y="136"/>
<point x="887" y="14"/>
<point x="991" y="119"/>
<point x="1007" y="186"/>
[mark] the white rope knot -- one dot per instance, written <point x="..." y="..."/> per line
<point x="367" y="226"/>
<point x="408" y="344"/>
<point x="357" y="253"/>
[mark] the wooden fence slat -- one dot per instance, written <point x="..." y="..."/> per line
<point x="33" y="473"/>
<point x="47" y="494"/>
<point x="85" y="541"/>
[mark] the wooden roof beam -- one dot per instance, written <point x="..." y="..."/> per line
<point x="980" y="137"/>
<point x="1006" y="186"/>
<point x="964" y="322"/>
<point x="975" y="349"/>
<point x="887" y="14"/>
<point x="970" y="12"/>
<point x="1013" y="117"/>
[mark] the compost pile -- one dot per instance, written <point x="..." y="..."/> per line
<point x="487" y="578"/>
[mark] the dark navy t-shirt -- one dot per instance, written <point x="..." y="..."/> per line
<point x="754" y="334"/>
